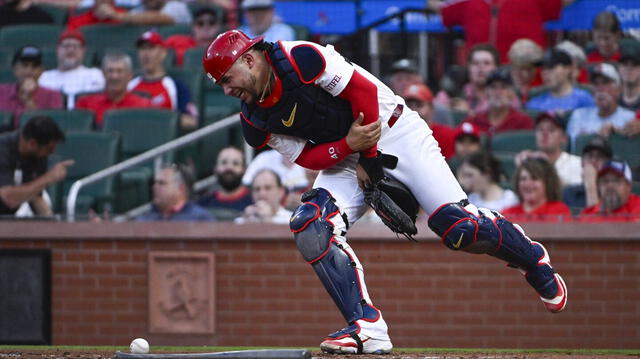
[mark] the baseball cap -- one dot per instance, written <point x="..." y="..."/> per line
<point x="466" y="129"/>
<point x="500" y="74"/>
<point x="72" y="35"/>
<point x="605" y="70"/>
<point x="256" y="4"/>
<point x="598" y="143"/>
<point x="556" y="119"/>
<point x="152" y="37"/>
<point x="406" y="65"/>
<point x="622" y="169"/>
<point x="418" y="92"/>
<point x="630" y="52"/>
<point x="555" y="57"/>
<point x="28" y="54"/>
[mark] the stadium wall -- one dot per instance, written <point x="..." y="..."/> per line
<point x="266" y="295"/>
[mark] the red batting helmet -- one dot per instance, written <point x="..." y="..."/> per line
<point x="224" y="51"/>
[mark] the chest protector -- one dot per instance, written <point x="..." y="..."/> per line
<point x="304" y="110"/>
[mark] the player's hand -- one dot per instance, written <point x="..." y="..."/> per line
<point x="362" y="137"/>
<point x="27" y="89"/>
<point x="364" y="181"/>
<point x="59" y="171"/>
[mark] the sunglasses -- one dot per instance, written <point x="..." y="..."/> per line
<point x="205" y="23"/>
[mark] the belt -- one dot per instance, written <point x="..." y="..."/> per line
<point x="397" y="112"/>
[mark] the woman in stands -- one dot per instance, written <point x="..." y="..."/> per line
<point x="538" y="188"/>
<point x="480" y="175"/>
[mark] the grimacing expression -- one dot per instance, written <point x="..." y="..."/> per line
<point x="239" y="82"/>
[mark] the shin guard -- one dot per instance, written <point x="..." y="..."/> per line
<point x="315" y="236"/>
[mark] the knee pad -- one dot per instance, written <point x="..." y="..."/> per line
<point x="311" y="223"/>
<point x="461" y="226"/>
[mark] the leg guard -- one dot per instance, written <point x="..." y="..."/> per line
<point x="314" y="233"/>
<point x="462" y="226"/>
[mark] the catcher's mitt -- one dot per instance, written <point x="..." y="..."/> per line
<point x="395" y="205"/>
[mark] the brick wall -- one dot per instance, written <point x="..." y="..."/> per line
<point x="267" y="295"/>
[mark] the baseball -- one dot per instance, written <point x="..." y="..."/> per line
<point x="139" y="346"/>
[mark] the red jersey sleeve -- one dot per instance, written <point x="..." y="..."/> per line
<point x="550" y="9"/>
<point x="363" y="95"/>
<point x="452" y="12"/>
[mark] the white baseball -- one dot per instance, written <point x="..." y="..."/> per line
<point x="139" y="346"/>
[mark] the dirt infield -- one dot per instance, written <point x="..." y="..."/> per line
<point x="79" y="354"/>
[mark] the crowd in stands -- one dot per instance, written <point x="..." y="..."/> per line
<point x="528" y="126"/>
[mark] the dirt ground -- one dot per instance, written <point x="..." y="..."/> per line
<point x="78" y="354"/>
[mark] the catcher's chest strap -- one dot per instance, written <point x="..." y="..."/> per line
<point x="397" y="112"/>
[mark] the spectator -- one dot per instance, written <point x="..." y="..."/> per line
<point x="606" y="36"/>
<point x="594" y="155"/>
<point x="617" y="203"/>
<point x="171" y="192"/>
<point x="404" y="72"/>
<point x="152" y="12"/>
<point x="561" y="94"/>
<point x="261" y="21"/>
<point x="163" y="90"/>
<point x="483" y="59"/>
<point x="579" y="73"/>
<point x="72" y="77"/>
<point x="204" y="29"/>
<point x="606" y="116"/>
<point x="117" y="71"/>
<point x="419" y="98"/>
<point x="267" y="192"/>
<point x="551" y="140"/>
<point x="232" y="197"/>
<point x="16" y="12"/>
<point x="23" y="165"/>
<point x="291" y="175"/>
<point x="480" y="176"/>
<point x="500" y="115"/>
<point x="467" y="140"/>
<point x="538" y="188"/>
<point x="629" y="66"/>
<point x="25" y="94"/>
<point x="525" y="57"/>
<point x="95" y="15"/>
<point x="499" y="23"/>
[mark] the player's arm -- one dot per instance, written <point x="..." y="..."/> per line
<point x="325" y="155"/>
<point x="329" y="70"/>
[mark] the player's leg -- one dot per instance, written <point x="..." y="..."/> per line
<point x="461" y="225"/>
<point x="319" y="226"/>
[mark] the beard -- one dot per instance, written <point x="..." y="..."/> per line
<point x="229" y="181"/>
<point x="611" y="201"/>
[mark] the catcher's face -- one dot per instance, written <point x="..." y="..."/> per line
<point x="240" y="82"/>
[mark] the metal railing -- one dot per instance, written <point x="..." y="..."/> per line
<point x="153" y="153"/>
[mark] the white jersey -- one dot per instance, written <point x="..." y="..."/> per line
<point x="72" y="82"/>
<point x="421" y="166"/>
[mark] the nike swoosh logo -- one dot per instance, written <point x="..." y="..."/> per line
<point x="457" y="245"/>
<point x="292" y="117"/>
